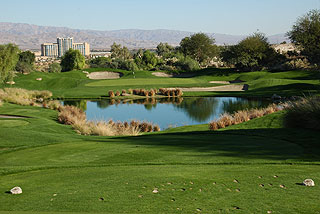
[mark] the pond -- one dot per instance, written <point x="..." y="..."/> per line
<point x="168" y="112"/>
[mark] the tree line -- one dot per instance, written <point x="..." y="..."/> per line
<point x="194" y="52"/>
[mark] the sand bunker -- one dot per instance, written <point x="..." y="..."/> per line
<point x="104" y="75"/>
<point x="244" y="87"/>
<point x="11" y="116"/>
<point x="220" y="82"/>
<point x="161" y="74"/>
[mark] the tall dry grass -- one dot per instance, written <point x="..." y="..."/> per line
<point x="241" y="116"/>
<point x="74" y="116"/>
<point x="24" y="97"/>
<point x="304" y="113"/>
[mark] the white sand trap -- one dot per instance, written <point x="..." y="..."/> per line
<point x="103" y="75"/>
<point x="218" y="88"/>
<point x="161" y="74"/>
<point x="220" y="82"/>
<point x="11" y="116"/>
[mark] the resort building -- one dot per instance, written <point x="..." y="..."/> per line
<point x="62" y="46"/>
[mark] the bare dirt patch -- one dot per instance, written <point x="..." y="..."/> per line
<point x="104" y="75"/>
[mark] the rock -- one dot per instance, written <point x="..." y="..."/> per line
<point x="235" y="181"/>
<point x="155" y="190"/>
<point x="11" y="82"/>
<point x="308" y="182"/>
<point x="282" y="186"/>
<point x="16" y="190"/>
<point x="39" y="79"/>
<point x="261" y="185"/>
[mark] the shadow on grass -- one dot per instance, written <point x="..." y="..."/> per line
<point x="268" y="144"/>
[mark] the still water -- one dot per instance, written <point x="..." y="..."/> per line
<point x="169" y="112"/>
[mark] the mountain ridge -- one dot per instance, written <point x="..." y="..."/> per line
<point x="30" y="36"/>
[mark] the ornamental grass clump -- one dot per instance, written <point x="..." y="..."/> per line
<point x="24" y="97"/>
<point x="111" y="94"/>
<point x="241" y="116"/>
<point x="70" y="115"/>
<point x="75" y="117"/>
<point x="304" y="113"/>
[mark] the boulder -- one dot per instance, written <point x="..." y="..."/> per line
<point x="16" y="190"/>
<point x="308" y="182"/>
<point x="11" y="82"/>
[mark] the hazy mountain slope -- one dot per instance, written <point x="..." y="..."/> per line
<point x="31" y="36"/>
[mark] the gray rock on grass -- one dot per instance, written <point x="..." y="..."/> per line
<point x="308" y="182"/>
<point x="16" y="190"/>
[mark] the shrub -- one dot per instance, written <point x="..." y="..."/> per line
<point x="130" y="91"/>
<point x="54" y="68"/>
<point x="117" y="93"/>
<point x="304" y="113"/>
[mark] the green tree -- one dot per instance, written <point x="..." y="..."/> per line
<point x="306" y="34"/>
<point x="26" y="62"/>
<point x="8" y="60"/>
<point x="252" y="53"/>
<point x="120" y="52"/>
<point x="54" y="68"/>
<point x="71" y="60"/>
<point x="164" y="49"/>
<point x="27" y="57"/>
<point x="200" y="47"/>
<point x="149" y="59"/>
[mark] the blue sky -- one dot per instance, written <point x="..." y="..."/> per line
<point x="240" y="17"/>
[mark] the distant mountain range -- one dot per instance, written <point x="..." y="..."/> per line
<point x="29" y="36"/>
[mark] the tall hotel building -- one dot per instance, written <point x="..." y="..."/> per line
<point x="62" y="46"/>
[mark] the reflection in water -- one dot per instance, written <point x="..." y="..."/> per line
<point x="81" y="104"/>
<point x="171" y="111"/>
<point x="199" y="109"/>
<point x="237" y="104"/>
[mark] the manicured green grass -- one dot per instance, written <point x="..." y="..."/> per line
<point x="192" y="168"/>
<point x="75" y="84"/>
